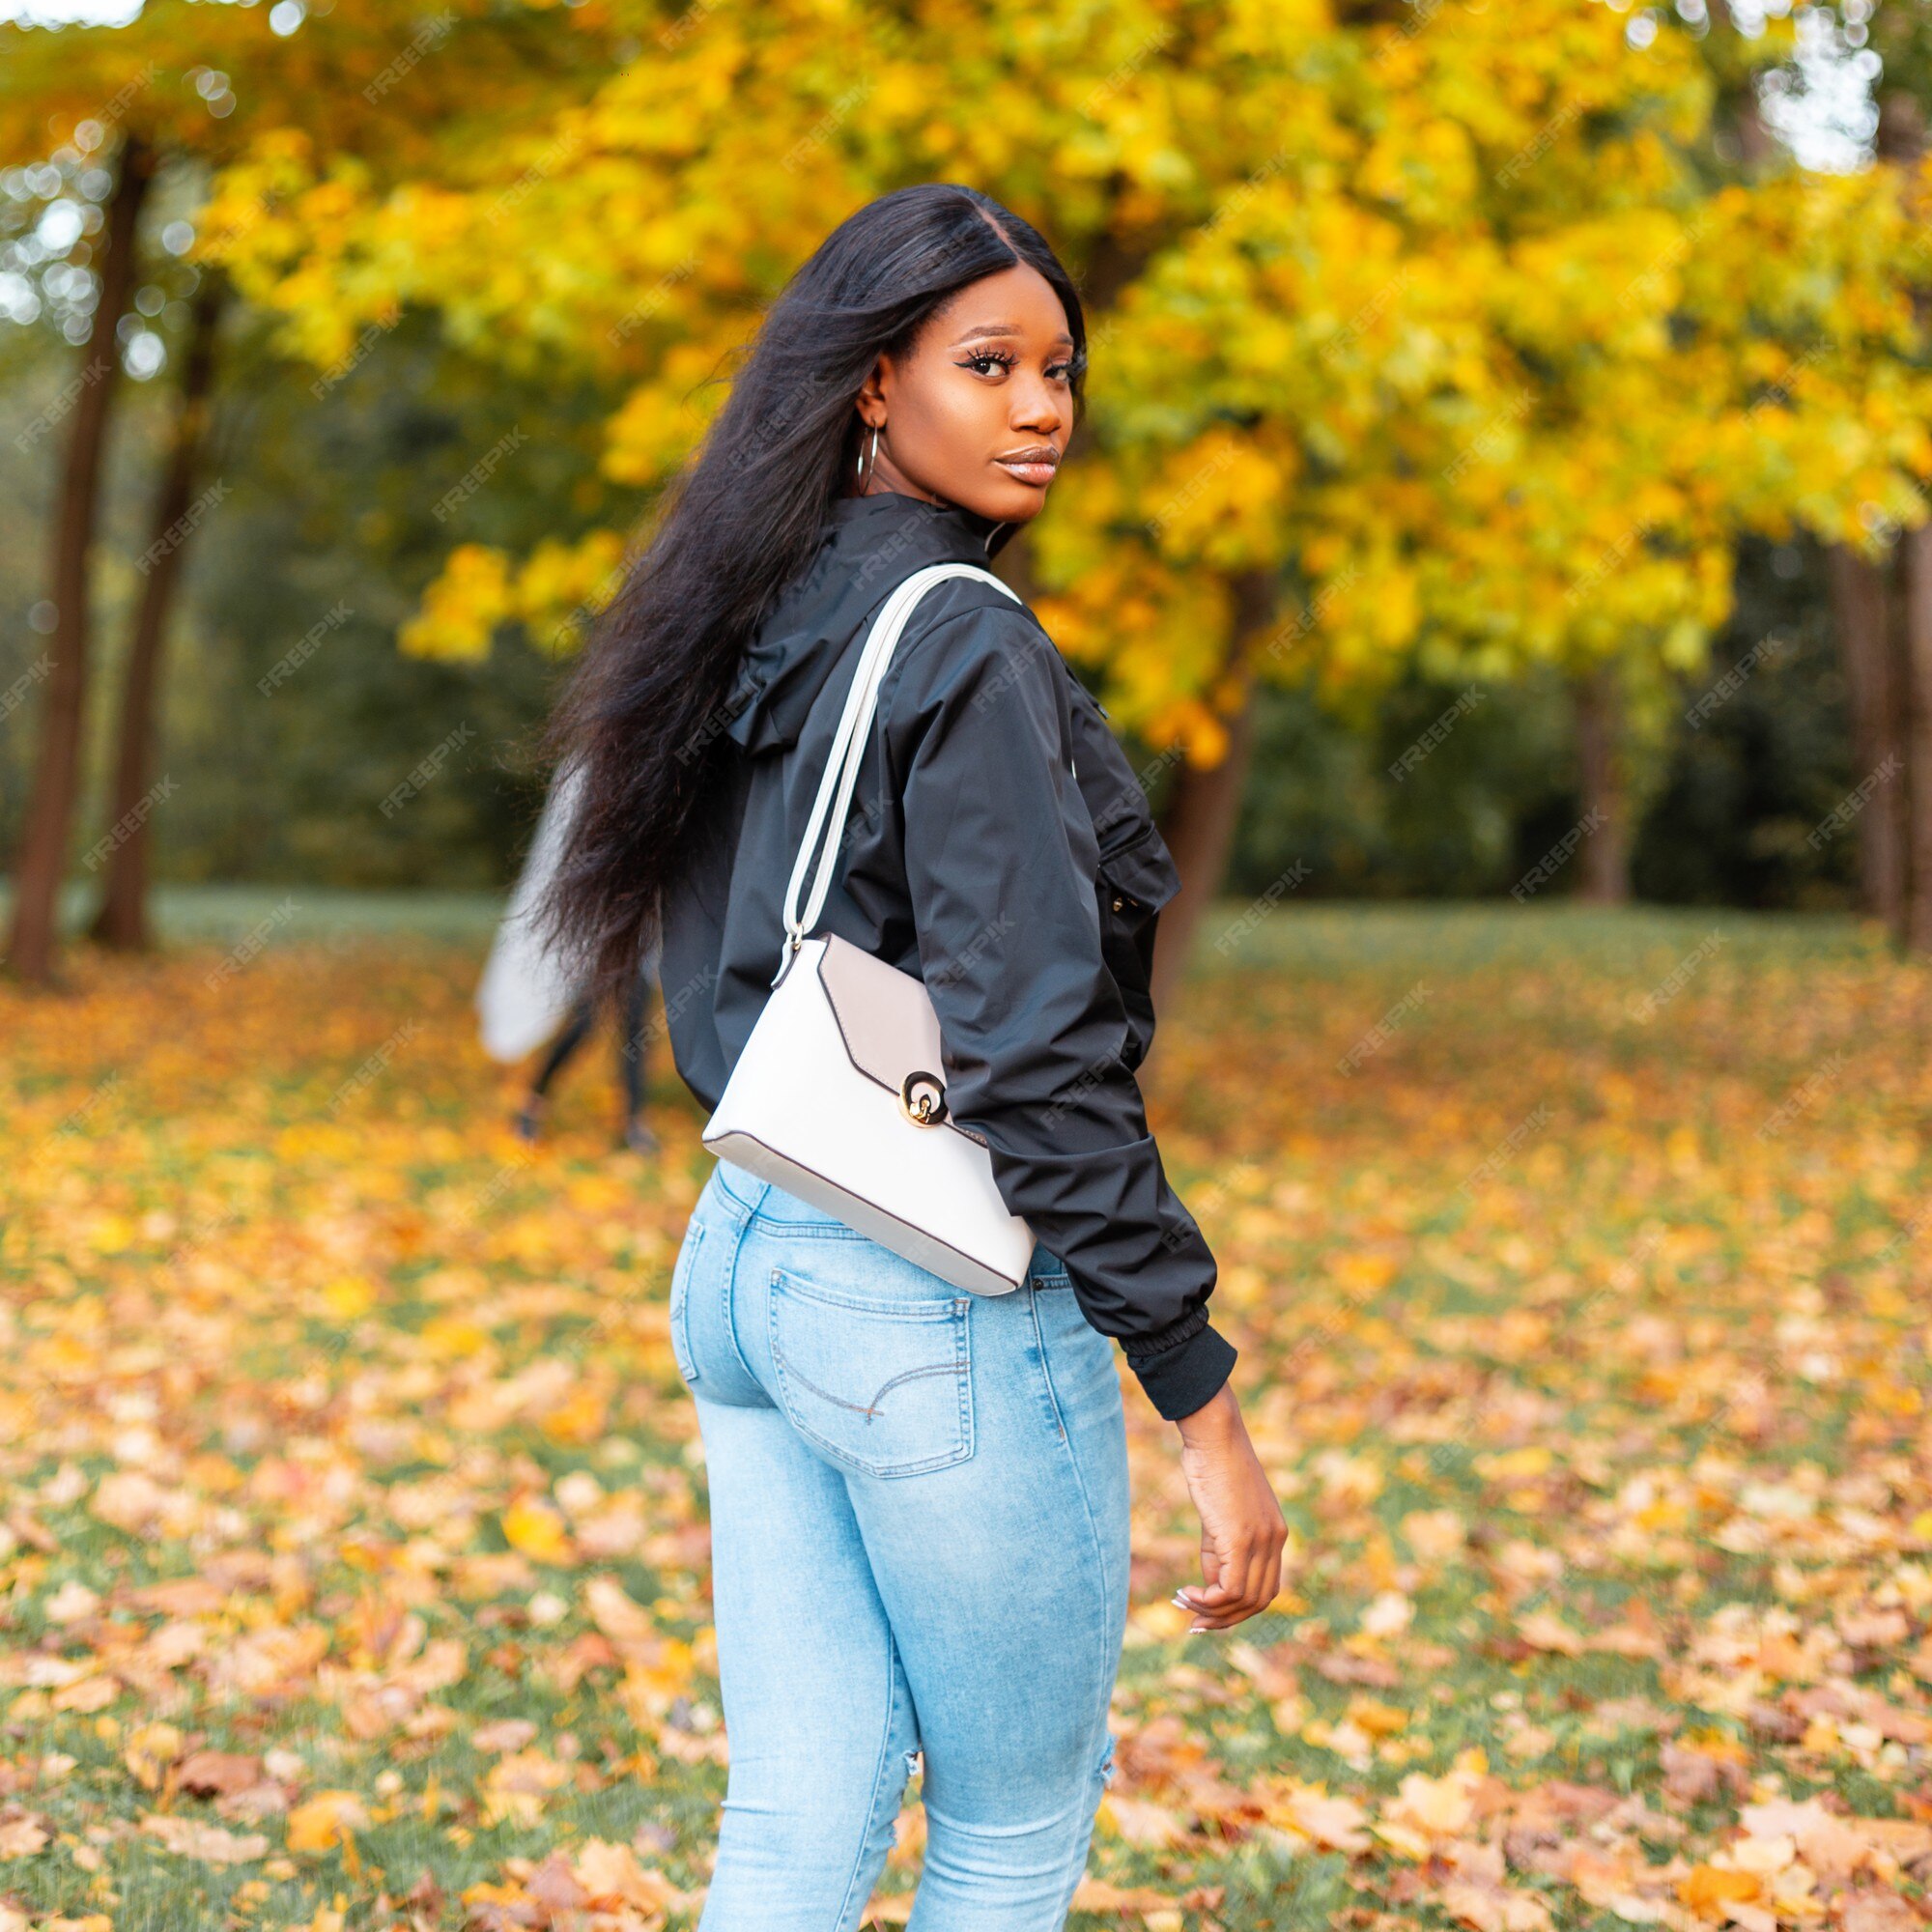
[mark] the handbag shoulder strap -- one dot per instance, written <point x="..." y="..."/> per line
<point x="826" y="826"/>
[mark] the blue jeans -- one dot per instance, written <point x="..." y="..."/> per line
<point x="919" y="1546"/>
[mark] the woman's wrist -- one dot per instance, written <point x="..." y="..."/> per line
<point x="1215" y="1421"/>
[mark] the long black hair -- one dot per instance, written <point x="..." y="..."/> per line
<point x="639" y="718"/>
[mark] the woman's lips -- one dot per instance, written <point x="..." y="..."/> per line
<point x="1026" y="471"/>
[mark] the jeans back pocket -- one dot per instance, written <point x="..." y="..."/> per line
<point x="680" y="1302"/>
<point x="881" y="1385"/>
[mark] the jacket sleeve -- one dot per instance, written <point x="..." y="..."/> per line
<point x="1001" y="862"/>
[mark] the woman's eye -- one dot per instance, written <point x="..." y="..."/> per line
<point x="1061" y="371"/>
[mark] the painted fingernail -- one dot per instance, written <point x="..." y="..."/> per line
<point x="1196" y="1626"/>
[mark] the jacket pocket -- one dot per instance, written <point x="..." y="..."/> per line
<point x="881" y="1385"/>
<point x="680" y="1302"/>
<point x="1137" y="875"/>
<point x="1136" y="878"/>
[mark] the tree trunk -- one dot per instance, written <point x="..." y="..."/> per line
<point x="35" y="937"/>
<point x="1205" y="804"/>
<point x="1199" y="828"/>
<point x="121" y="921"/>
<point x="1863" y="616"/>
<point x="1907" y="799"/>
<point x="1916" y="560"/>
<point x="1604" y="786"/>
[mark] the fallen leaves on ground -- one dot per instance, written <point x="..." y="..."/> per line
<point x="352" y="1548"/>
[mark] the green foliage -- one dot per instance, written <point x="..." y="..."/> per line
<point x="325" y="530"/>
<point x="1753" y="757"/>
<point x="1326" y="795"/>
<point x="1767" y="759"/>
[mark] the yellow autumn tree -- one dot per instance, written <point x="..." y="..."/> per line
<point x="1419" y="335"/>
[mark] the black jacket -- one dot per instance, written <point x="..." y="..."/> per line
<point x="1023" y="897"/>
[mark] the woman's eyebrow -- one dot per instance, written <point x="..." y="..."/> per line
<point x="1004" y="329"/>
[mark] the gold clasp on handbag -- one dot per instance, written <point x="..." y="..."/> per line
<point x="927" y="1108"/>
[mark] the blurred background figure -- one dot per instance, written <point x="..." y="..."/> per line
<point x="632" y="1059"/>
<point x="526" y="996"/>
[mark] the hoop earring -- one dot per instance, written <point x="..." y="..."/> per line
<point x="861" y="469"/>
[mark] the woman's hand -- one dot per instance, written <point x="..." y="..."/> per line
<point x="1241" y="1527"/>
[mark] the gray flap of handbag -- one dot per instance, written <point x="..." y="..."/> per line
<point x="888" y="1021"/>
<point x="885" y="1017"/>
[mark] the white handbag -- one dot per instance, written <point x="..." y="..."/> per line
<point x="839" y="1093"/>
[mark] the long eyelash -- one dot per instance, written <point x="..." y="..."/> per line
<point x="1006" y="358"/>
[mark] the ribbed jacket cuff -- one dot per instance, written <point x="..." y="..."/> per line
<point x="1187" y="1376"/>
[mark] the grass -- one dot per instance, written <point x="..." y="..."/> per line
<point x="1578" y="1263"/>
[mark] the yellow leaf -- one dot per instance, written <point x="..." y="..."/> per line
<point x="612" y="1876"/>
<point x="326" y="1820"/>
<point x="190" y="1839"/>
<point x="453" y="1335"/>
<point x="1706" y="1889"/>
<point x="579" y="1418"/>
<point x="615" y="1613"/>
<point x="21" y="1837"/>
<point x="150" y="1751"/>
<point x="350" y="1295"/>
<point x="534" y="1529"/>
<point x="1544" y="1631"/>
<point x="111" y="1234"/>
<point x="1163" y="1619"/>
<point x="89" y="1693"/>
<point x="1379" y="1720"/>
<point x="518" y="1785"/>
<point x="1139" y="1821"/>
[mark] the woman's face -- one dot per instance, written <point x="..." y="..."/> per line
<point x="978" y="414"/>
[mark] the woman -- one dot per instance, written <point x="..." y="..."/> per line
<point x="953" y="1586"/>
<point x="522" y="1000"/>
<point x="633" y="1054"/>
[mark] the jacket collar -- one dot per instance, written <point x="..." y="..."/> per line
<point x="977" y="537"/>
<point x="867" y="545"/>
